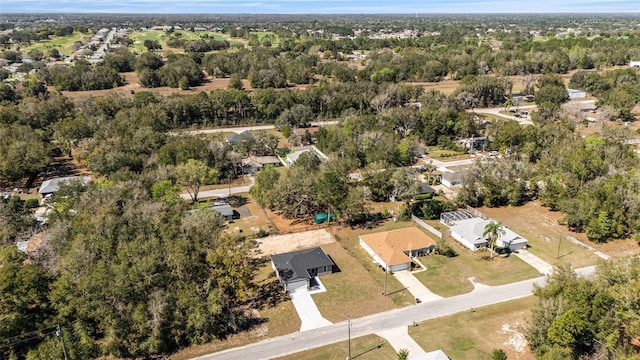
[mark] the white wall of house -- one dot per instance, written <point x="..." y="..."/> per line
<point x="371" y="253"/>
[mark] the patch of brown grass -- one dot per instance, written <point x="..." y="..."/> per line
<point x="354" y="286"/>
<point x="370" y="347"/>
<point x="473" y="335"/>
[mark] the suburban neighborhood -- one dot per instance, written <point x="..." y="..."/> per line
<point x="316" y="186"/>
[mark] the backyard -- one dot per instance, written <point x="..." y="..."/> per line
<point x="550" y="240"/>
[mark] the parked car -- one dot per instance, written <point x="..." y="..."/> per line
<point x="493" y="153"/>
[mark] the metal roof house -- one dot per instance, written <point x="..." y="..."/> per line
<point x="469" y="233"/>
<point x="295" y="269"/>
<point x="51" y="186"/>
<point x="576" y="94"/>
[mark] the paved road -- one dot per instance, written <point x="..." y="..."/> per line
<point x="221" y="192"/>
<point x="296" y="342"/>
<point x="253" y="128"/>
<point x="523" y="120"/>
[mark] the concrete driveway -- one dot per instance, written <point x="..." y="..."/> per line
<point x="543" y="267"/>
<point x="399" y="339"/>
<point x="307" y="310"/>
<point x="415" y="287"/>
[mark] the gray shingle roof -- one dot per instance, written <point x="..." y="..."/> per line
<point x="294" y="265"/>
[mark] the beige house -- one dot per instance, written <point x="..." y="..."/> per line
<point x="393" y="250"/>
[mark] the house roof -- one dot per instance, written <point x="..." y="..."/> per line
<point x="433" y="355"/>
<point x="472" y="229"/>
<point x="293" y="157"/>
<point x="236" y="138"/>
<point x="258" y="161"/>
<point x="293" y="265"/>
<point x="224" y="210"/>
<point x="53" y="185"/>
<point x="391" y="245"/>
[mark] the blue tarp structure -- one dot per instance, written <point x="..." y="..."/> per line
<point x="322" y="217"/>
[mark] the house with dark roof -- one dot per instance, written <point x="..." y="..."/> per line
<point x="235" y="139"/>
<point x="296" y="269"/>
<point x="225" y="210"/>
<point x="393" y="250"/>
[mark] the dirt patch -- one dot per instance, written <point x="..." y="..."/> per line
<point x="295" y="225"/>
<point x="289" y="242"/>
<point x="516" y="340"/>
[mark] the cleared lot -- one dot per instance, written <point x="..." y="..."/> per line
<point x="289" y="242"/>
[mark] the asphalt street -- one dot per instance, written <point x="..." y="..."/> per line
<point x="300" y="341"/>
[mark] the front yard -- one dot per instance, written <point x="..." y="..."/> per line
<point x="370" y="347"/>
<point x="473" y="335"/>
<point x="449" y="276"/>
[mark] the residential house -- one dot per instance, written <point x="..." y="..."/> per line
<point x="393" y="250"/>
<point x="51" y="186"/>
<point x="291" y="158"/>
<point x="469" y="233"/>
<point x="235" y="139"/>
<point x="576" y="94"/>
<point x="253" y="164"/>
<point x="297" y="268"/>
<point x="452" y="179"/>
<point x="432" y="355"/>
<point x="225" y="210"/>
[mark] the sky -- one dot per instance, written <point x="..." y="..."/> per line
<point x="317" y="7"/>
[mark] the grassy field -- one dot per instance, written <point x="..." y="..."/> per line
<point x="64" y="44"/>
<point x="370" y="347"/>
<point x="449" y="276"/>
<point x="541" y="229"/>
<point x="354" y="285"/>
<point x="473" y="335"/>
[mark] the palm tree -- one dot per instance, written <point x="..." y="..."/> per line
<point x="494" y="230"/>
<point x="403" y="354"/>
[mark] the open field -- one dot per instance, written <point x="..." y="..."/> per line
<point x="139" y="37"/>
<point x="449" y="276"/>
<point x="370" y="347"/>
<point x="473" y="335"/>
<point x="354" y="286"/>
<point x="64" y="44"/>
<point x="540" y="227"/>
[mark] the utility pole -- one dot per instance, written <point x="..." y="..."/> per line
<point x="386" y="273"/>
<point x="559" y="241"/>
<point x="349" y="335"/>
<point x="59" y="335"/>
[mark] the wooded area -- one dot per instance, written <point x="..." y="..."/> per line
<point x="126" y="270"/>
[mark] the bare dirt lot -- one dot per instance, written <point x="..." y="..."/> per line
<point x="289" y="242"/>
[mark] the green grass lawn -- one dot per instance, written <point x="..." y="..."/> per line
<point x="358" y="282"/>
<point x="473" y="335"/>
<point x="64" y="44"/>
<point x="449" y="276"/>
<point x="370" y="347"/>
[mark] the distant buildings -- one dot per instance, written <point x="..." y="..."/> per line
<point x="576" y="94"/>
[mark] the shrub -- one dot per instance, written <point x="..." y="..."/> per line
<point x="31" y="203"/>
<point x="442" y="248"/>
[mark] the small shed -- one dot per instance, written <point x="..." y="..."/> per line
<point x="323" y="217"/>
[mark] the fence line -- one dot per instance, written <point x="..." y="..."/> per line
<point x="428" y="227"/>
